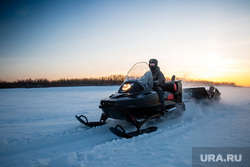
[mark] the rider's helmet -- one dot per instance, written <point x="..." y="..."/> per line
<point x="153" y="63"/>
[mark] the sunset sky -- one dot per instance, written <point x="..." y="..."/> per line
<point x="195" y="39"/>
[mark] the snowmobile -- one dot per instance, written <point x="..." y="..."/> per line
<point x="137" y="102"/>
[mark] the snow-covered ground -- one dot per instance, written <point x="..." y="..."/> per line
<point x="38" y="128"/>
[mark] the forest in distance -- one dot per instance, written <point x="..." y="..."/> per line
<point x="101" y="81"/>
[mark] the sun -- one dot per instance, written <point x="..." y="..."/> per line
<point x="212" y="66"/>
<point x="216" y="61"/>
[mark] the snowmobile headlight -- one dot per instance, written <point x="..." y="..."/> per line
<point x="127" y="86"/>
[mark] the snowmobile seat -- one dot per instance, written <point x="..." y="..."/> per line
<point x="170" y="87"/>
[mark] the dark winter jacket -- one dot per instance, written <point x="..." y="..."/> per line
<point x="158" y="76"/>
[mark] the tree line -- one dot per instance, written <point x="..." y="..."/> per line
<point x="40" y="83"/>
<point x="101" y="81"/>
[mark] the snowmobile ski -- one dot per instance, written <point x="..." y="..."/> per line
<point x="120" y="131"/>
<point x="89" y="124"/>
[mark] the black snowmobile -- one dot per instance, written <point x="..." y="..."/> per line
<point x="137" y="102"/>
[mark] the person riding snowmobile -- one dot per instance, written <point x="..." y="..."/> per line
<point x="159" y="80"/>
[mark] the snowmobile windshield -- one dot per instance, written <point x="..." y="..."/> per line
<point x="141" y="73"/>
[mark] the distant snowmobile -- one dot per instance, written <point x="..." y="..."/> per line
<point x="136" y="102"/>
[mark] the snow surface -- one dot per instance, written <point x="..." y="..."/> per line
<point x="38" y="128"/>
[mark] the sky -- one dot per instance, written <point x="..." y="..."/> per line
<point x="194" y="39"/>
